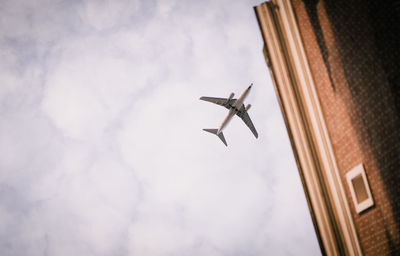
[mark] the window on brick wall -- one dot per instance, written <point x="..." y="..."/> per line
<point x="359" y="188"/>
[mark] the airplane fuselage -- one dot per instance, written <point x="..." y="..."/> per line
<point x="234" y="109"/>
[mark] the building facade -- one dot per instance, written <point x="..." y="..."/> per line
<point x="336" y="71"/>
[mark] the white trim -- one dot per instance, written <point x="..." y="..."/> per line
<point x="307" y="129"/>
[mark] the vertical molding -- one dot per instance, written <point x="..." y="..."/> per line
<point x="295" y="88"/>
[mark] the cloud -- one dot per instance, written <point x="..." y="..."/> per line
<point x="101" y="147"/>
<point x="107" y="14"/>
<point x="88" y="86"/>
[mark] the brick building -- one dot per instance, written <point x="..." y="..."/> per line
<point x="336" y="70"/>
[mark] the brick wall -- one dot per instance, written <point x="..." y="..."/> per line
<point x="353" y="51"/>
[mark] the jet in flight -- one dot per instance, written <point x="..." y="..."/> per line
<point x="235" y="106"/>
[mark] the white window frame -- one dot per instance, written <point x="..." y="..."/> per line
<point x="367" y="203"/>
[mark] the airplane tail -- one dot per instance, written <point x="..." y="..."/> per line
<point x="220" y="135"/>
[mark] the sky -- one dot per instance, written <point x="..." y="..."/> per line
<point x="101" y="144"/>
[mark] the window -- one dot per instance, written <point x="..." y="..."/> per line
<point x="359" y="188"/>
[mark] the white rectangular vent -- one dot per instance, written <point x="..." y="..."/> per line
<point x="359" y="188"/>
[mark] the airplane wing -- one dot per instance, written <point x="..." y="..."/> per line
<point x="242" y="113"/>
<point x="220" y="101"/>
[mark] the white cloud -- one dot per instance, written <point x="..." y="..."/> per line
<point x="89" y="85"/>
<point x="105" y="14"/>
<point x="8" y="79"/>
<point x="101" y="139"/>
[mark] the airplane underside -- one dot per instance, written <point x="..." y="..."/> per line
<point x="235" y="107"/>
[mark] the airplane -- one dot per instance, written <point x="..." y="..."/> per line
<point x="235" y="106"/>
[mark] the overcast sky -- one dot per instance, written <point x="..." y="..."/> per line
<point x="101" y="144"/>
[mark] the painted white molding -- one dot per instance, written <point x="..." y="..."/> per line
<point x="295" y="88"/>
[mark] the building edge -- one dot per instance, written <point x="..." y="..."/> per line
<point x="285" y="56"/>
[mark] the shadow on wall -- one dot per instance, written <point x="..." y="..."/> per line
<point x="367" y="35"/>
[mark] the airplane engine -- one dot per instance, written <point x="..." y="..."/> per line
<point x="248" y="107"/>
<point x="230" y="97"/>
